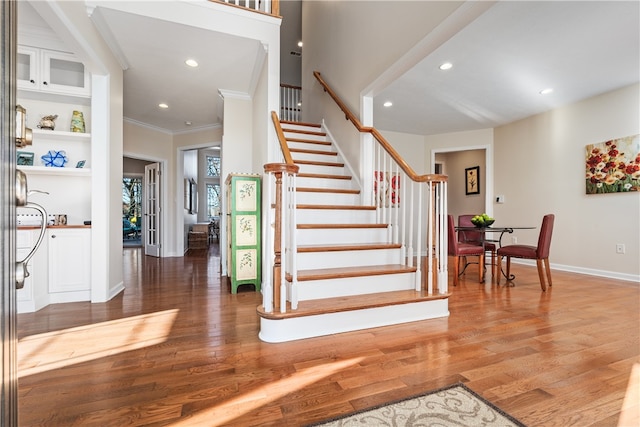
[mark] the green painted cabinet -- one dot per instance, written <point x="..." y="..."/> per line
<point x="244" y="259"/>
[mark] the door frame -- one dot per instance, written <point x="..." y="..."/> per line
<point x="8" y="95"/>
<point x="488" y="167"/>
<point x="164" y="197"/>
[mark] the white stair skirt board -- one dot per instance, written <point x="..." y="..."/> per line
<point x="349" y="286"/>
<point x="295" y="328"/>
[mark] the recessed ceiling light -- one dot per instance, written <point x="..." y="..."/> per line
<point x="446" y="66"/>
<point x="191" y="63"/>
<point x="188" y="123"/>
<point x="300" y="43"/>
<point x="163" y="105"/>
<point x="388" y="104"/>
<point x="546" y="91"/>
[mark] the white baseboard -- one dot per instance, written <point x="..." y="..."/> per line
<point x="581" y="270"/>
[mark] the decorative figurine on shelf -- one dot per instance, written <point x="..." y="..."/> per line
<point x="77" y="122"/>
<point x="48" y="122"/>
<point x="56" y="159"/>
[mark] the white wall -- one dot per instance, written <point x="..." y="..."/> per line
<point x="540" y="168"/>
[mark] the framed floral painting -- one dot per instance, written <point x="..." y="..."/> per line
<point x="613" y="166"/>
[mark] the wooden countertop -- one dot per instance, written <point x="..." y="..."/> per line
<point x="37" y="227"/>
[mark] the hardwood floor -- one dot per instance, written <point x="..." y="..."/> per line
<point x="177" y="349"/>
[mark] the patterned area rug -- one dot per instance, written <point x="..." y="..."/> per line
<point x="455" y="405"/>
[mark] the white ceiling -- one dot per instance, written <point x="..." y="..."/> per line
<point x="500" y="63"/>
<point x="503" y="59"/>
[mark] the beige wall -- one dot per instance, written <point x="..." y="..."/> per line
<point x="540" y="168"/>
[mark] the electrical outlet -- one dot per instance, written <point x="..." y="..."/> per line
<point x="500" y="199"/>
<point x="514" y="240"/>
<point x="620" y="248"/>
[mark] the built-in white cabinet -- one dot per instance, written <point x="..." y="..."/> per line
<point x="59" y="271"/>
<point x="52" y="71"/>
<point x="69" y="264"/>
<point x="33" y="296"/>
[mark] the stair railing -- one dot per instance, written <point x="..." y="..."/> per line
<point x="290" y="102"/>
<point x="280" y="241"/>
<point x="399" y="195"/>
<point x="269" y="7"/>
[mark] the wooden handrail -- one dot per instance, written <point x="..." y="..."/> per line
<point x="281" y="138"/>
<point x="378" y="136"/>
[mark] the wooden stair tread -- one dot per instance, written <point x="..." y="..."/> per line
<point x="334" y="226"/>
<point x="357" y="271"/>
<point x="327" y="190"/>
<point x="319" y="152"/>
<point x="290" y="122"/>
<point x="347" y="247"/>
<point x="338" y="207"/>
<point x="308" y="141"/>
<point x="315" y="163"/>
<point x="323" y="176"/>
<point x="350" y="303"/>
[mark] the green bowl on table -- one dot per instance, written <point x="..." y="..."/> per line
<point x="482" y="220"/>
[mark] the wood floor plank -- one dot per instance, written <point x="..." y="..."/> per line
<point x="176" y="348"/>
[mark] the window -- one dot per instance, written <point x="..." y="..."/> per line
<point x="131" y="198"/>
<point x="213" y="166"/>
<point x="213" y="200"/>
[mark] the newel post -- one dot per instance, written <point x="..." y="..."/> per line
<point x="278" y="169"/>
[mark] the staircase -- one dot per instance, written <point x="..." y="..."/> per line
<point x="348" y="275"/>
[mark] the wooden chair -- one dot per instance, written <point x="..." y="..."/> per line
<point x="462" y="250"/>
<point x="540" y="253"/>
<point x="476" y="238"/>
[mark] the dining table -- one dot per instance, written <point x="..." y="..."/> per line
<point x="492" y="229"/>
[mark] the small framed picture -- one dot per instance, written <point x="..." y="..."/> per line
<point x="80" y="164"/>
<point x="24" y="158"/>
<point x="472" y="180"/>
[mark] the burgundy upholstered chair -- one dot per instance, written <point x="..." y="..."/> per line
<point x="476" y="238"/>
<point x="459" y="250"/>
<point x="540" y="252"/>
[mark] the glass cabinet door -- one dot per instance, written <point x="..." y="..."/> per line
<point x="27" y="68"/>
<point x="64" y="73"/>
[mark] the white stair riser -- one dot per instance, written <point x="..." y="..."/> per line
<point x="332" y="158"/>
<point x="339" y="259"/>
<point x="313" y="198"/>
<point x="309" y="146"/>
<point x="327" y="236"/>
<point x="296" y="328"/>
<point x="326" y="170"/>
<point x="304" y="136"/>
<point x="299" y="126"/>
<point x="341" y="184"/>
<point x="334" y="216"/>
<point x="331" y="288"/>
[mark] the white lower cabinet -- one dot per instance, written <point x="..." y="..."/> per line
<point x="59" y="271"/>
<point x="34" y="295"/>
<point x="69" y="264"/>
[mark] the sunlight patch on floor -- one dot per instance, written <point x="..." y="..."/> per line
<point x="57" y="349"/>
<point x="630" y="414"/>
<point x="228" y="410"/>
